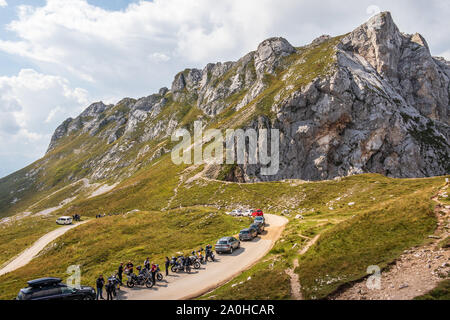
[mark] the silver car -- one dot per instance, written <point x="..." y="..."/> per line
<point x="227" y="245"/>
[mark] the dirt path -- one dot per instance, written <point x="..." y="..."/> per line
<point x="27" y="255"/>
<point x="295" y="281"/>
<point x="210" y="276"/>
<point x="415" y="273"/>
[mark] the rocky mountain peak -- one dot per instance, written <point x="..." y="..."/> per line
<point x="379" y="41"/>
<point x="94" y="109"/>
<point x="269" y="52"/>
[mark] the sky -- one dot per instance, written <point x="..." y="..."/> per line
<point x="59" y="56"/>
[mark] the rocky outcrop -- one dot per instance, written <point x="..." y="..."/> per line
<point x="383" y="110"/>
<point x="374" y="100"/>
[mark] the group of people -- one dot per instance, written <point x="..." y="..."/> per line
<point x="76" y="217"/>
<point x="150" y="269"/>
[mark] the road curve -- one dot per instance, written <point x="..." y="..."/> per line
<point x="28" y="254"/>
<point x="214" y="274"/>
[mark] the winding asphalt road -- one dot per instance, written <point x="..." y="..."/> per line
<point x="188" y="286"/>
<point x="28" y="254"/>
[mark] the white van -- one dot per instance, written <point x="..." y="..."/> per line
<point x="64" y="220"/>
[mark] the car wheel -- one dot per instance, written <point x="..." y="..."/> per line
<point x="231" y="250"/>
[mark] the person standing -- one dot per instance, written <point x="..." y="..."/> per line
<point x="100" y="283"/>
<point x="167" y="263"/>
<point x="129" y="267"/>
<point x="153" y="270"/>
<point x="147" y="263"/>
<point x="120" y="272"/>
<point x="109" y="290"/>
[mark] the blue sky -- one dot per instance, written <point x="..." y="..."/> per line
<point x="58" y="56"/>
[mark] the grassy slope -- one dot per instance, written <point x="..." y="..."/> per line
<point x="20" y="234"/>
<point x="389" y="216"/>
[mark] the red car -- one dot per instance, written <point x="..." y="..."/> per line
<point x="257" y="213"/>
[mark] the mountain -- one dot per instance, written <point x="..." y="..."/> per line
<point x="371" y="101"/>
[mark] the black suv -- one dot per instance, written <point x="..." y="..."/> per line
<point x="258" y="227"/>
<point x="248" y="234"/>
<point x="53" y="289"/>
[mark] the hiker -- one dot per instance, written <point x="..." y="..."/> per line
<point x="147" y="263"/>
<point x="167" y="263"/>
<point x="120" y="272"/>
<point x="100" y="282"/>
<point x="109" y="290"/>
<point x="153" y="270"/>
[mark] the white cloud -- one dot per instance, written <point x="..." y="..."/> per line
<point x="135" y="51"/>
<point x="3" y="3"/>
<point x="31" y="106"/>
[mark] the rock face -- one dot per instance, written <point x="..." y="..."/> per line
<point x="384" y="109"/>
<point x="373" y="101"/>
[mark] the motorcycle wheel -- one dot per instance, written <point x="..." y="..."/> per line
<point x="160" y="277"/>
<point x="174" y="269"/>
<point x="130" y="284"/>
<point x="197" y="265"/>
<point x="149" y="283"/>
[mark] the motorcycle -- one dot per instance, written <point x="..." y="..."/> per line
<point x="180" y="266"/>
<point x="194" y="261"/>
<point x="139" y="280"/>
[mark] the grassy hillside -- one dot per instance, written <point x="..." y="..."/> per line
<point x="363" y="220"/>
<point x="386" y="216"/>
<point x="18" y="235"/>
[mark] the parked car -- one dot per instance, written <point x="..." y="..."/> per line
<point x="261" y="220"/>
<point x="228" y="244"/>
<point x="64" y="220"/>
<point x="236" y="213"/>
<point x="248" y="234"/>
<point x="247" y="213"/>
<point x="53" y="289"/>
<point x="258" y="227"/>
<point x="258" y="213"/>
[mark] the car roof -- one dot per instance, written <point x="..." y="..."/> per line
<point x="43" y="282"/>
<point x="248" y="229"/>
<point x="65" y="217"/>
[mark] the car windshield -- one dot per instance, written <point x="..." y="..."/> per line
<point x="244" y="231"/>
